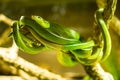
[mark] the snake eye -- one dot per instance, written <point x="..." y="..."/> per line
<point x="38" y="17"/>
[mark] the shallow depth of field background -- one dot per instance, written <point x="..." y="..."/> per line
<point x="76" y="14"/>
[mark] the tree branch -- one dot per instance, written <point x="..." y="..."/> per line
<point x="96" y="71"/>
<point x="7" y="55"/>
<point x="10" y="78"/>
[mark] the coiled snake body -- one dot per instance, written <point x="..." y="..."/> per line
<point x="35" y="34"/>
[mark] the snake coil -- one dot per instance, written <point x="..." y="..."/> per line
<point x="35" y="34"/>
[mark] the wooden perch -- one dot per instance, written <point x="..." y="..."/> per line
<point x="97" y="72"/>
<point x="10" y="78"/>
<point x="8" y="55"/>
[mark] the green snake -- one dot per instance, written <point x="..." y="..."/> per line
<point x="105" y="33"/>
<point x="33" y="35"/>
<point x="52" y="32"/>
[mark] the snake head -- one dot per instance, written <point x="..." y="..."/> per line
<point x="41" y="21"/>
